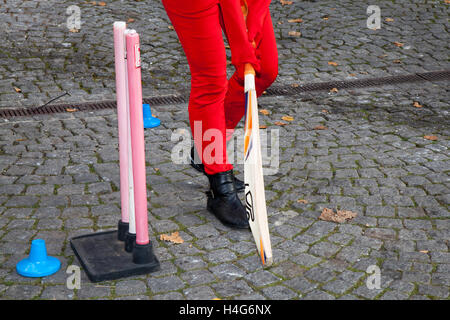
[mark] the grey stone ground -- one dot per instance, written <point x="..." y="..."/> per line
<point x="60" y="172"/>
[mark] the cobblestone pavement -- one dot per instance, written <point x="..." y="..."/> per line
<point x="39" y="55"/>
<point x="60" y="172"/>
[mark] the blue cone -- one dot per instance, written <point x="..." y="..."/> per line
<point x="38" y="264"/>
<point x="149" y="120"/>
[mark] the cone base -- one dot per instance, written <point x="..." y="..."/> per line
<point x="37" y="269"/>
<point x="151" y="122"/>
<point x="103" y="257"/>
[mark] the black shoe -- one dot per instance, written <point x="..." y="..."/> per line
<point x="223" y="201"/>
<point x="197" y="165"/>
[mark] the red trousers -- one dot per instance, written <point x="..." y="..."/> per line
<point x="216" y="103"/>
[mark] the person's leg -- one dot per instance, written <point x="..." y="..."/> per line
<point x="200" y="35"/>
<point x="268" y="55"/>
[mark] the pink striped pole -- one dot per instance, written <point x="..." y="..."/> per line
<point x="137" y="136"/>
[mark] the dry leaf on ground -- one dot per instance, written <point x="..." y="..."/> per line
<point x="423" y="251"/>
<point x="332" y="63"/>
<point x="295" y="20"/>
<point x="417" y="104"/>
<point x="71" y="109"/>
<point x="287" y="118"/>
<point x="340" y="216"/>
<point x="284" y="2"/>
<point x="264" y="112"/>
<point x="279" y="123"/>
<point x="302" y="201"/>
<point x="320" y="127"/>
<point x="398" y="44"/>
<point x="174" y="237"/>
<point x="389" y="20"/>
<point x="102" y="3"/>
<point x="130" y="20"/>
<point x="295" y="33"/>
<point x="263" y="126"/>
<point x="18" y="90"/>
<point x="432" y="138"/>
<point x="295" y="85"/>
<point x="334" y="90"/>
<point x="74" y="30"/>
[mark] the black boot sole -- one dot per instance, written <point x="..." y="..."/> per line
<point x="225" y="223"/>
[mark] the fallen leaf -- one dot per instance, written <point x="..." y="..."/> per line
<point x="320" y="127"/>
<point x="295" y="85"/>
<point x="264" y="92"/>
<point x="295" y="20"/>
<point x="263" y="127"/>
<point x="432" y="138"/>
<point x="94" y="3"/>
<point x="447" y="1"/>
<point x="287" y="118"/>
<point x="324" y="110"/>
<point x="332" y="63"/>
<point x="325" y="17"/>
<point x="71" y="109"/>
<point x="352" y="74"/>
<point x="302" y="201"/>
<point x="23" y="139"/>
<point x="18" y="90"/>
<point x="285" y="2"/>
<point x="334" y="90"/>
<point x="417" y="104"/>
<point x="264" y="112"/>
<point x="279" y="123"/>
<point x="101" y="3"/>
<point x="130" y="20"/>
<point x="424" y="251"/>
<point x="397" y="61"/>
<point x="389" y="20"/>
<point x="398" y="44"/>
<point x="340" y="216"/>
<point x="383" y="56"/>
<point x="295" y="33"/>
<point x="174" y="237"/>
<point x="171" y="27"/>
<point x="74" y="30"/>
<point x="280" y="22"/>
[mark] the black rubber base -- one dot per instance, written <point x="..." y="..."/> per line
<point x="103" y="257"/>
<point x="130" y="241"/>
<point x="122" y="230"/>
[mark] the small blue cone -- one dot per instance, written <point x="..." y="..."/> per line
<point x="149" y="120"/>
<point x="38" y="264"/>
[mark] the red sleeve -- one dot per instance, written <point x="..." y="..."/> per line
<point x="257" y="11"/>
<point x="236" y="30"/>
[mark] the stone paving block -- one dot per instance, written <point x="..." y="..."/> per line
<point x="130" y="287"/>
<point x="165" y="284"/>
<point x="231" y="288"/>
